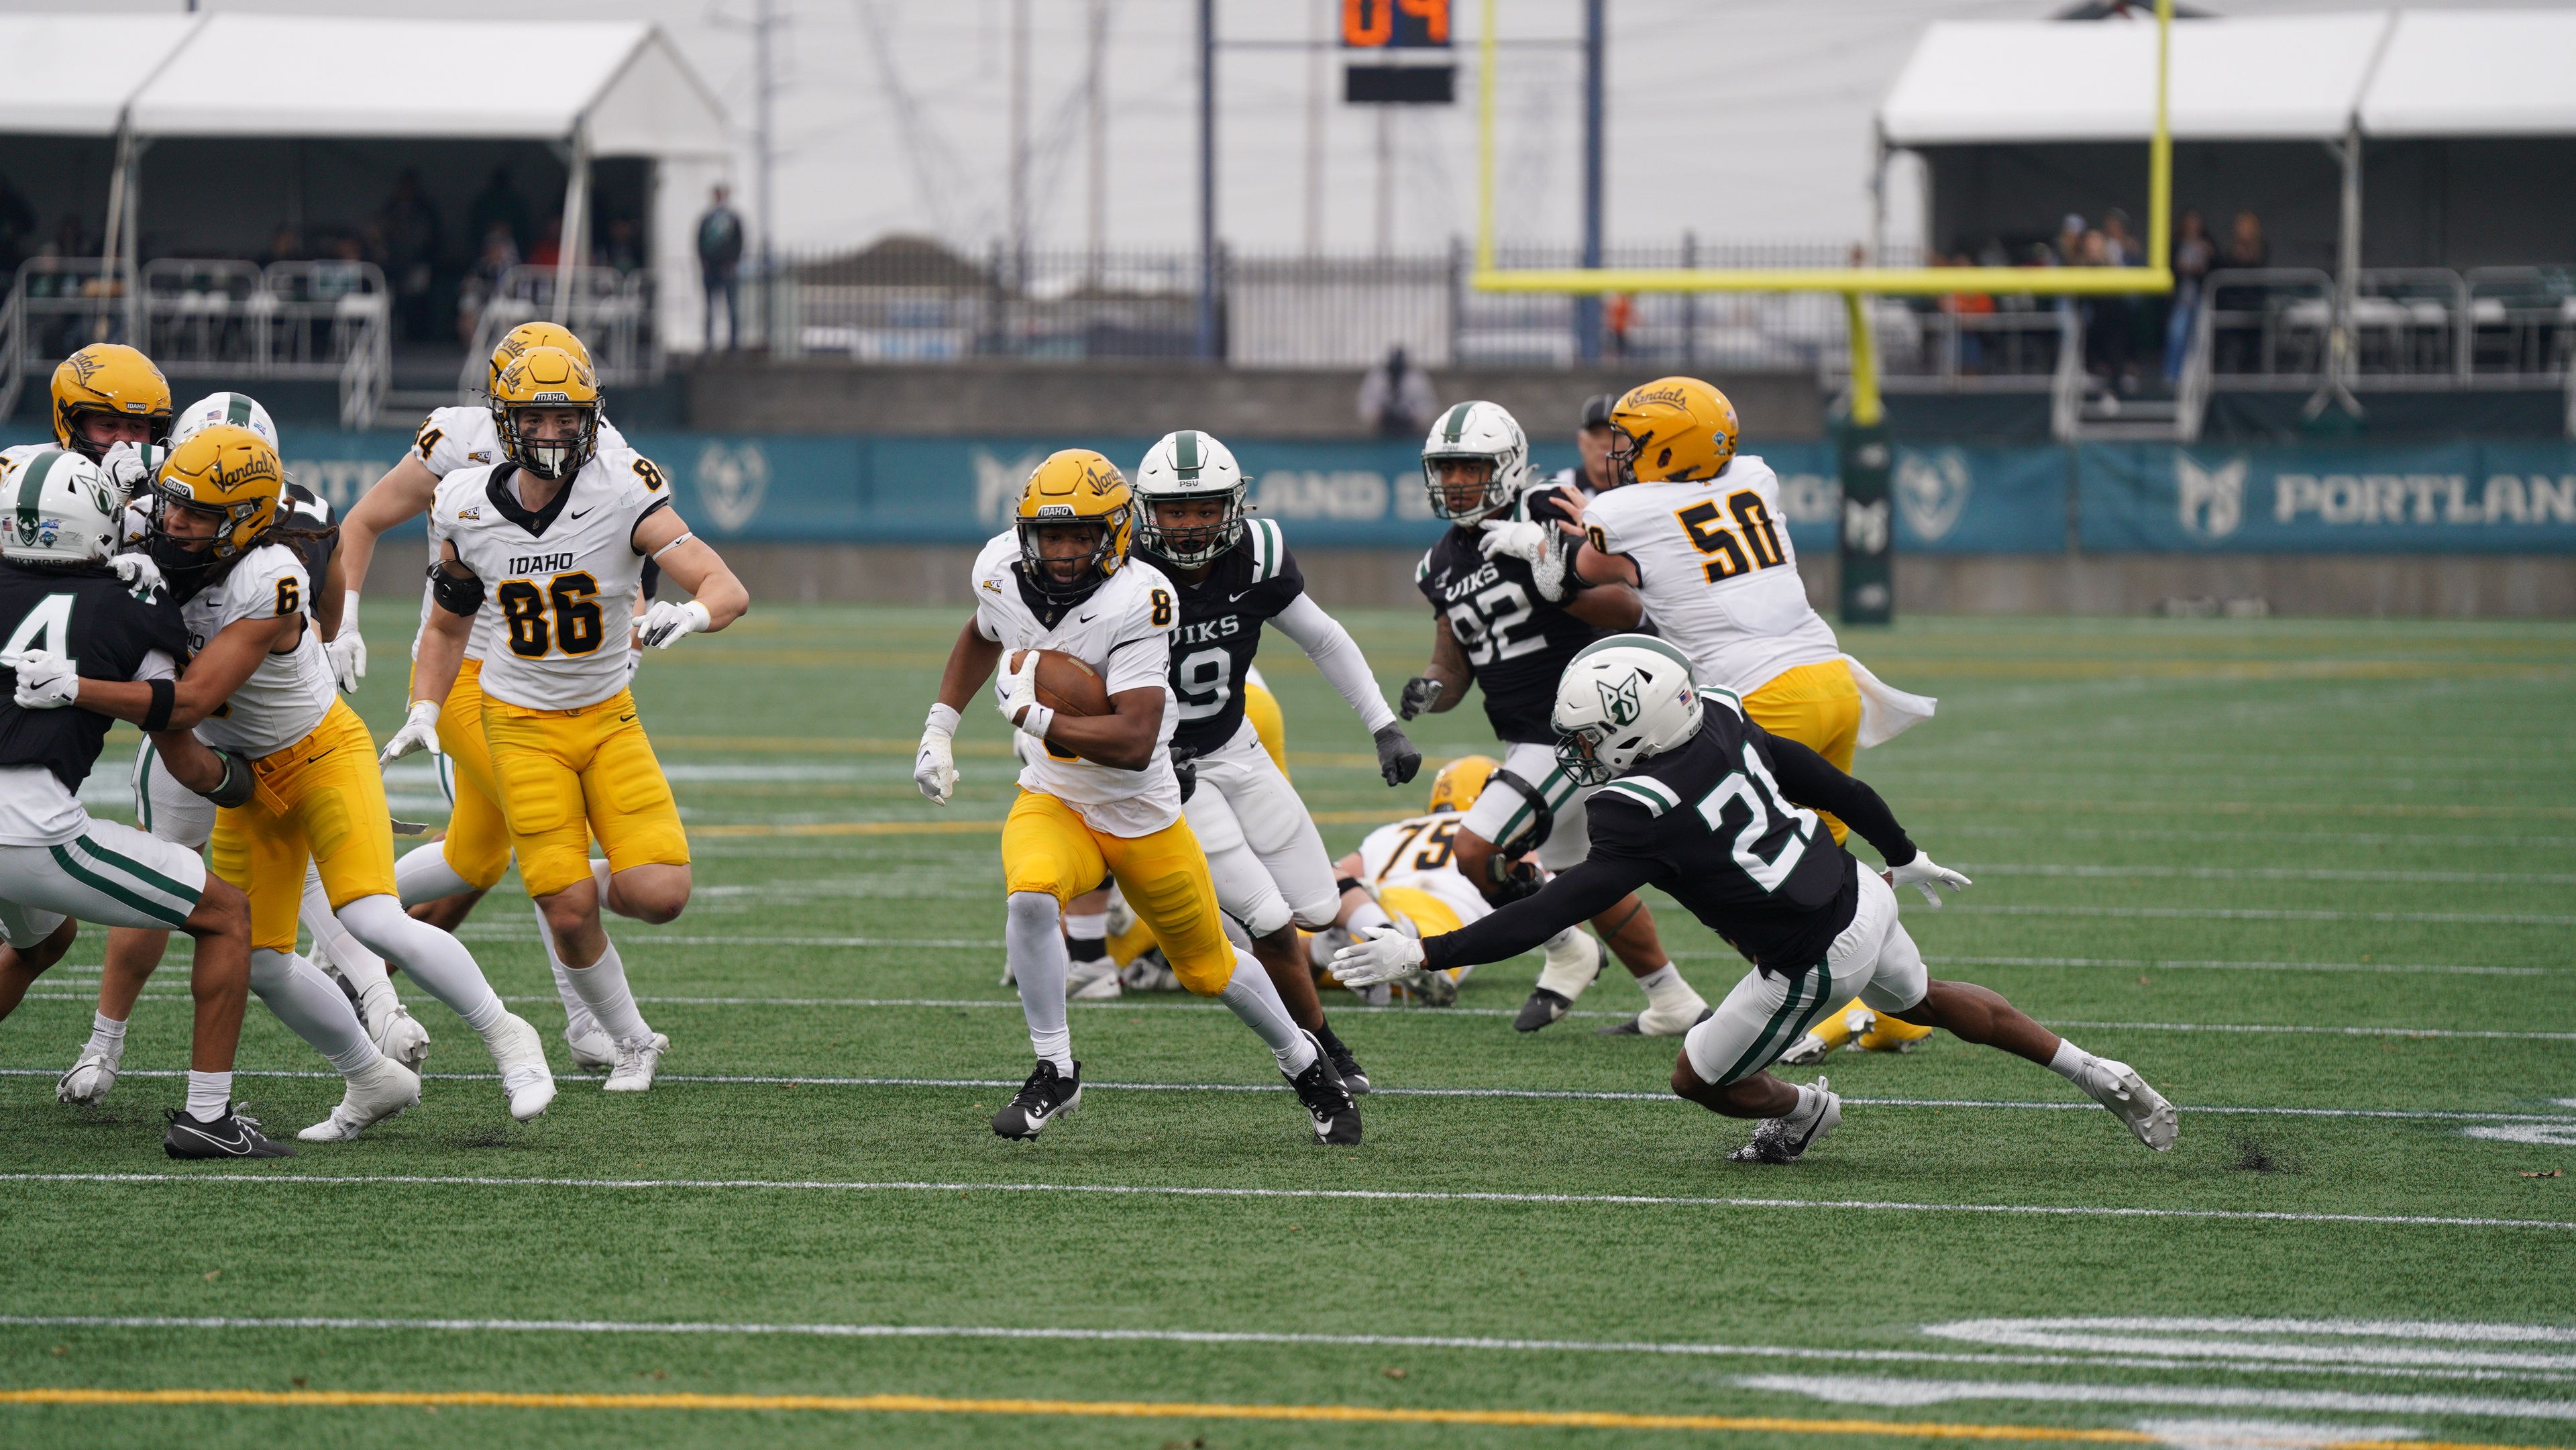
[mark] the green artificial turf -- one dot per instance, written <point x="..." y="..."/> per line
<point x="2174" y="827"/>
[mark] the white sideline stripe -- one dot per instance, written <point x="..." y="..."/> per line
<point x="1371" y="1195"/>
<point x="2328" y="1031"/>
<point x="1215" y="1336"/>
<point x="652" y="938"/>
<point x="2270" y="913"/>
<point x="2279" y="873"/>
<point x="1868" y="1390"/>
<point x="1541" y="1094"/>
<point x="2310" y="1341"/>
<point x="2156" y="964"/>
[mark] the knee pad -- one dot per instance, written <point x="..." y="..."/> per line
<point x="270" y="969"/>
<point x="1034" y="911"/>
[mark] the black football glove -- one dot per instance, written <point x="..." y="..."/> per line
<point x="1185" y="765"/>
<point x="238" y="784"/>
<point x="1512" y="883"/>
<point x="1397" y="760"/>
<point x="1420" y="694"/>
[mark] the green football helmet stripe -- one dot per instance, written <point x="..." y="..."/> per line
<point x="1455" y="423"/>
<point x="31" y="493"/>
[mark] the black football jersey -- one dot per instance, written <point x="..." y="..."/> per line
<point x="306" y="509"/>
<point x="1517" y="643"/>
<point x="92" y="618"/>
<point x="1220" y="628"/>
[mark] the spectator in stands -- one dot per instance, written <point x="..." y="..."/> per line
<point x="409" y="224"/>
<point x="1619" y="320"/>
<point x="2070" y="241"/>
<point x="2245" y="244"/>
<point x="1958" y="306"/>
<point x="549" y="248"/>
<point x="624" y="247"/>
<point x="500" y="254"/>
<point x="2192" y="255"/>
<point x="17" y="229"/>
<point x="720" y="264"/>
<point x="1396" y="397"/>
<point x="283" y="246"/>
<point x="499" y="203"/>
<point x="2240" y="346"/>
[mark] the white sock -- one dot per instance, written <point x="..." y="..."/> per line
<point x="439" y="962"/>
<point x="209" y="1094"/>
<point x="311" y="1007"/>
<point x="1251" y="997"/>
<point x="577" y="1019"/>
<point x="106" y="1035"/>
<point x="1810" y="1102"/>
<point x="602" y="987"/>
<point x="1033" y="935"/>
<point x="1088" y="926"/>
<point x="362" y="968"/>
<point x="424" y="875"/>
<point x="2070" y="1062"/>
<point x="1365" y="917"/>
<point x="1662" y="977"/>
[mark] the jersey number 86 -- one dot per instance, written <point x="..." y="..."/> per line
<point x="575" y="627"/>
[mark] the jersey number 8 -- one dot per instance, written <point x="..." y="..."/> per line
<point x="576" y="624"/>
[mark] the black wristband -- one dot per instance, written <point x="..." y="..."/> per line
<point x="1350" y="883"/>
<point x="165" y="695"/>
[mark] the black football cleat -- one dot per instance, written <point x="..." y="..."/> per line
<point x="1045" y="1097"/>
<point x="1347" y="1067"/>
<point x="1543" y="1009"/>
<point x="1336" y="1118"/>
<point x="232" y="1135"/>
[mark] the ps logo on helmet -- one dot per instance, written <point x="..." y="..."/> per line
<point x="1620" y="701"/>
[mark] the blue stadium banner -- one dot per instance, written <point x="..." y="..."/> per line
<point x="2451" y="497"/>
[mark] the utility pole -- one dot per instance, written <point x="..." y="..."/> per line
<point x="1316" y="12"/>
<point x="1020" y="143"/>
<point x="764" y="133"/>
<point x="1096" y="102"/>
<point x="1207" y="339"/>
<point x="1385" y="181"/>
<point x="1587" y="309"/>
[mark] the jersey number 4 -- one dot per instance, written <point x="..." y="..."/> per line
<point x="575" y="625"/>
<point x="48" y="627"/>
<point x="1753" y="543"/>
<point x="1765" y="817"/>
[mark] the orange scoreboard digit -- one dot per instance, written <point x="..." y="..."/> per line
<point x="1395" y="24"/>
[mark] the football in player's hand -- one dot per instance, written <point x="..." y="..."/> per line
<point x="1066" y="685"/>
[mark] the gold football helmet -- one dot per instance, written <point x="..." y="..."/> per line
<point x="111" y="378"/>
<point x="1672" y="430"/>
<point x="543" y="379"/>
<point x="1075" y="486"/>
<point x="533" y="334"/>
<point x="224" y="470"/>
<point x="1459" y="782"/>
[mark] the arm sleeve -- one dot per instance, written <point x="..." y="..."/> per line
<point x="1577" y="895"/>
<point x="1337" y="658"/>
<point x="1811" y="780"/>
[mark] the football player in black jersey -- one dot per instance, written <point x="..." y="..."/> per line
<point x="1235" y="574"/>
<point x="60" y="599"/>
<point x="1698" y="800"/>
<point x="1492" y="625"/>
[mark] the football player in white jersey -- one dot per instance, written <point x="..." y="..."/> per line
<point x="1697" y="533"/>
<point x="1407" y="871"/>
<point x="544" y="554"/>
<point x="172" y="812"/>
<point x="443" y="880"/>
<point x="1102" y="798"/>
<point x="259" y="686"/>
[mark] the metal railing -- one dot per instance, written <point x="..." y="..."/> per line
<point x="611" y="311"/>
<point x="209" y="318"/>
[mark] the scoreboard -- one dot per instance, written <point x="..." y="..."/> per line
<point x="1395" y="24"/>
<point x="1387" y="29"/>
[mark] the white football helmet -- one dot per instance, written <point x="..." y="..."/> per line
<point x="1620" y="700"/>
<point x="239" y="409"/>
<point x="56" y="508"/>
<point x="1188" y="465"/>
<point x="1477" y="432"/>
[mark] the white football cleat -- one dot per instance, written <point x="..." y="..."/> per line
<point x="521" y="1055"/>
<point x="89" y="1079"/>
<point x="1092" y="981"/>
<point x="1783" y="1139"/>
<point x="1149" y="973"/>
<point x="637" y="1060"/>
<point x="593" y="1050"/>
<point x="391" y="1027"/>
<point x="376" y="1092"/>
<point x="2117" y="1086"/>
<point x="1807" y="1051"/>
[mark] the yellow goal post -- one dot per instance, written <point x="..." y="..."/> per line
<point x="1854" y="284"/>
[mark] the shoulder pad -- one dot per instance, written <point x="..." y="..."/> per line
<point x="1723" y="697"/>
<point x="1643" y="790"/>
<point x="1269" y="547"/>
<point x="1422" y="570"/>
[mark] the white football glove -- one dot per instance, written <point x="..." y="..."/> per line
<point x="1923" y="875"/>
<point x="664" y="623"/>
<point x="130" y="466"/>
<point x="348" y="654"/>
<point x="1018" y="692"/>
<point x="142" y="577"/>
<point x="46" y="681"/>
<point x="1388" y="955"/>
<point x="419" y="732"/>
<point x="1547" y="548"/>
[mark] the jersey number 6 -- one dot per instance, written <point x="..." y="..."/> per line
<point x="576" y="625"/>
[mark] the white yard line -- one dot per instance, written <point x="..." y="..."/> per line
<point x="228" y="1177"/>
<point x="2267" y="913"/>
<point x="1468" y="1343"/>
<point x="1872" y="1390"/>
<point x="2276" y="873"/>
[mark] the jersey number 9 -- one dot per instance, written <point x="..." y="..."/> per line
<point x="575" y="628"/>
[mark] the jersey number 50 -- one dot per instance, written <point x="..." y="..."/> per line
<point x="1726" y="547"/>
<point x="575" y="629"/>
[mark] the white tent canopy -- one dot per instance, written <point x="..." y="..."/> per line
<point x="2475" y="73"/>
<point x="72" y="75"/>
<point x="2292" y="78"/>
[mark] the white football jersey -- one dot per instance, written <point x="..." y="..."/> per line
<point x="453" y="438"/>
<point x="1124" y="631"/>
<point x="1422" y="853"/>
<point x="289" y="693"/>
<point x="1717" y="572"/>
<point x="559" y="586"/>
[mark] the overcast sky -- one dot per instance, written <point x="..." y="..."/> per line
<point x="1737" y="120"/>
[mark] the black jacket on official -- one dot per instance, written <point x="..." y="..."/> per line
<point x="104" y="628"/>
<point x="1517" y="643"/>
<point x="1220" y="628"/>
<point x="1712" y="823"/>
